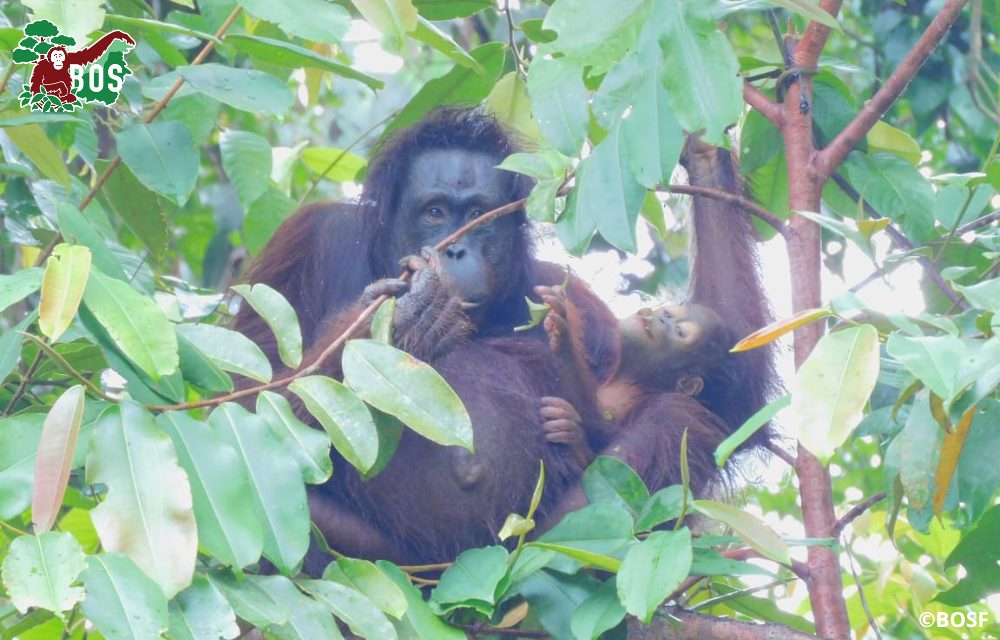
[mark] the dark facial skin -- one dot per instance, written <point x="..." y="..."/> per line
<point x="668" y="338"/>
<point x="444" y="190"/>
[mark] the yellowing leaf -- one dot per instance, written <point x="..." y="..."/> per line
<point x="55" y="457"/>
<point x="831" y="388"/>
<point x="951" y="450"/>
<point x="66" y="273"/>
<point x="755" y="533"/>
<point x="778" y="328"/>
<point x="885" y="137"/>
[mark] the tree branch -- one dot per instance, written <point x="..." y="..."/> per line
<point x="856" y="511"/>
<point x="875" y="108"/>
<point x="748" y="206"/>
<point x="759" y="101"/>
<point x="697" y="626"/>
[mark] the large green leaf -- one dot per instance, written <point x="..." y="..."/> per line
<point x="245" y="89"/>
<point x="919" y="452"/>
<point x="751" y="529"/>
<point x="307" y="618"/>
<point x="426" y="32"/>
<point x="66" y="274"/>
<point x="508" y="100"/>
<point x="55" y="457"/>
<point x="832" y="387"/>
<point x="652" y="570"/>
<point x="610" y="480"/>
<point x="229" y="350"/>
<point x="291" y="55"/>
<point x="279" y="316"/>
<point x="708" y="94"/>
<point x="76" y="19"/>
<point x="138" y="208"/>
<point x="147" y="513"/>
<point x="78" y="229"/>
<point x="419" y="615"/>
<point x="344" y="416"/>
<point x="448" y="9"/>
<point x="162" y="156"/>
<point x="278" y="496"/>
<point x="979" y="554"/>
<point x="199" y="370"/>
<point x="810" y="10"/>
<point x="220" y="490"/>
<point x="136" y="325"/>
<point x="364" y="577"/>
<point x="602" y="529"/>
<point x="476" y="579"/>
<point x="402" y="386"/>
<point x="351" y="607"/>
<point x="309" y="19"/>
<point x="559" y="102"/>
<point x="250" y="602"/>
<point x="19" y="438"/>
<point x="40" y="571"/>
<point x="310" y="447"/>
<point x="600" y="612"/>
<point x="338" y="165"/>
<point x="593" y="36"/>
<point x="460" y="85"/>
<point x="896" y="189"/>
<point x="36" y="145"/>
<point x="122" y="602"/>
<point x="246" y="157"/>
<point x="201" y="613"/>
<point x="19" y="285"/>
<point x="394" y="18"/>
<point x="264" y="218"/>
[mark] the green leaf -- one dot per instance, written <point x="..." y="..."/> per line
<point x="307" y="618"/>
<point x="55" y="457"/>
<point x="229" y="350"/>
<point x="395" y="382"/>
<point x="220" y="490"/>
<point x="363" y="576"/>
<point x="476" y="579"/>
<point x="291" y="55"/>
<point x="246" y="157"/>
<point x="161" y="156"/>
<point x="983" y="295"/>
<point x="394" y="18"/>
<point x="593" y="36"/>
<point x="136" y="325"/>
<point x="333" y="164"/>
<point x="919" y="452"/>
<point x="279" y="316"/>
<point x="66" y="275"/>
<point x="122" y="602"/>
<point x="440" y="41"/>
<point x="200" y="612"/>
<point x="600" y="612"/>
<point x="199" y="370"/>
<point x="509" y="102"/>
<point x="582" y="556"/>
<point x="664" y="505"/>
<point x="555" y="598"/>
<point x="310" y="447"/>
<point x="418" y="614"/>
<point x="979" y="555"/>
<point x="460" y="85"/>
<point x="559" y="103"/>
<point x="885" y="137"/>
<point x="33" y="142"/>
<point x="78" y="229"/>
<point x="76" y="19"/>
<point x="381" y="328"/>
<point x="276" y="488"/>
<point x="748" y="428"/>
<point x="20" y="285"/>
<point x="249" y="600"/>
<point x="19" y="438"/>
<point x="310" y="19"/>
<point x="10" y="348"/>
<point x="609" y="198"/>
<point x="264" y="218"/>
<point x="652" y="570"/>
<point x="138" y="208"/>
<point x="449" y="9"/>
<point x="831" y="389"/>
<point x="144" y="24"/>
<point x="602" y="529"/>
<point x="245" y="89"/>
<point x="748" y="527"/>
<point x="352" y="608"/>
<point x="896" y="189"/>
<point x="147" y="513"/>
<point x="708" y="95"/>
<point x="610" y="480"/>
<point x="344" y="416"/>
<point x="810" y="10"/>
<point x="39" y="571"/>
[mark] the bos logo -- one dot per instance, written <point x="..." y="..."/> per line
<point x="64" y="76"/>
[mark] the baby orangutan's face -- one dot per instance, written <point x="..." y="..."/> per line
<point x="670" y="336"/>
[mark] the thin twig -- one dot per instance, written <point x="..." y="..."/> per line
<point x="152" y="115"/>
<point x="66" y="366"/>
<point x="23" y="385"/>
<point x="856" y="511"/>
<point x="861" y="591"/>
<point x="747" y="205"/>
<point x="518" y="61"/>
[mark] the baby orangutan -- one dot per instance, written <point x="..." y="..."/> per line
<point x="665" y="351"/>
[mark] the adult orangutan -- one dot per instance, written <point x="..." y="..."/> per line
<point x="52" y="70"/>
<point x="458" y="313"/>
